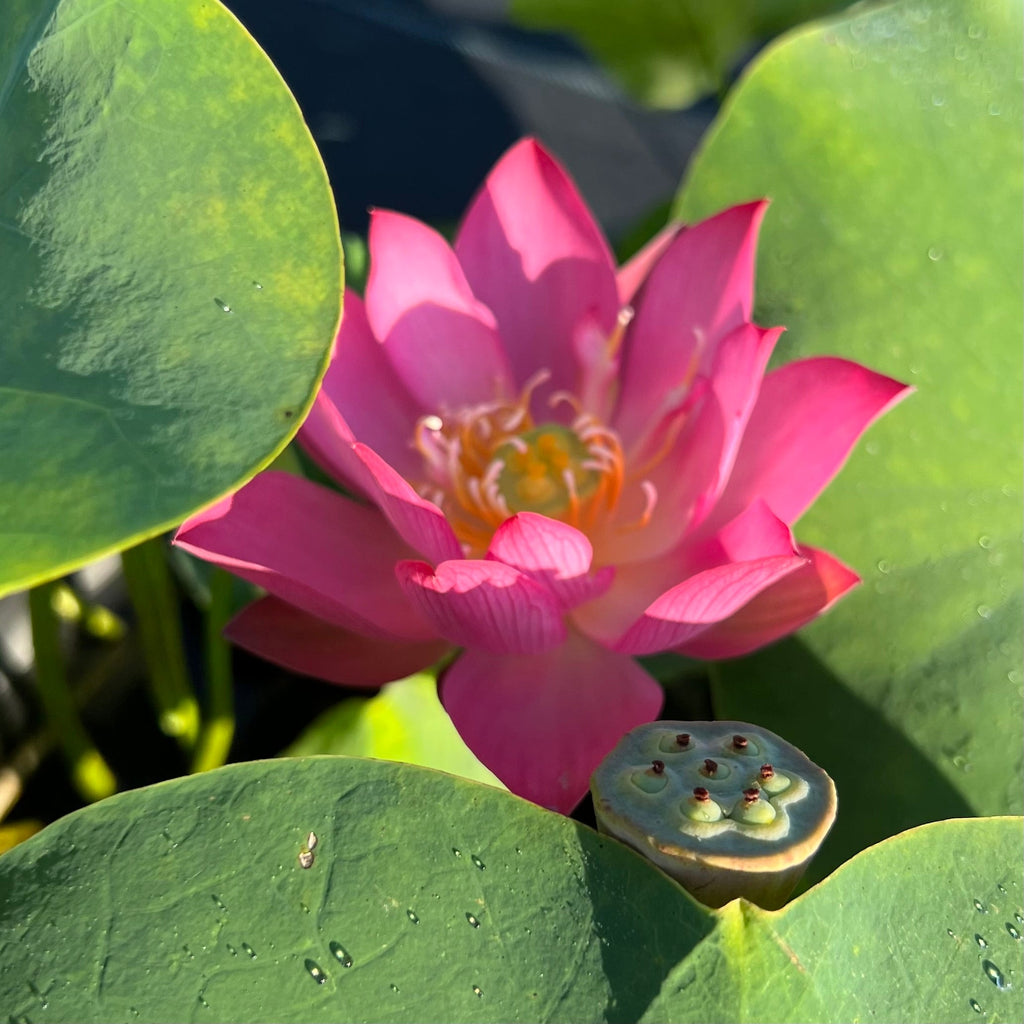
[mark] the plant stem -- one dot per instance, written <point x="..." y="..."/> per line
<point x="219" y="724"/>
<point x="89" y="772"/>
<point x="155" y="600"/>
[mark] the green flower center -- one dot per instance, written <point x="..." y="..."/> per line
<point x="547" y="469"/>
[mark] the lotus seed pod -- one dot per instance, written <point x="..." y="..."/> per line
<point x="733" y="811"/>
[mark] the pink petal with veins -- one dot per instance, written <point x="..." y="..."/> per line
<point x="778" y="610"/>
<point x="553" y="554"/>
<point x="532" y="252"/>
<point x="307" y="545"/>
<point x="486" y="605"/>
<point x="441" y="341"/>
<point x="287" y="636"/>
<point x="542" y="722"/>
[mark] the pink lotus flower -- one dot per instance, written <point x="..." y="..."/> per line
<point x="557" y="465"/>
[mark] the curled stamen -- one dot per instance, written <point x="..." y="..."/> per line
<point x="558" y="398"/>
<point x="622" y="321"/>
<point x="569" y="479"/>
<point x="650" y="493"/>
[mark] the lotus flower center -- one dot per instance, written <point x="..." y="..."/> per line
<point x="546" y="469"/>
<point x="487" y="462"/>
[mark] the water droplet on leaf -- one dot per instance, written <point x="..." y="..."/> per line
<point x="981" y="942"/>
<point x="477" y="991"/>
<point x="477" y="862"/>
<point x="340" y="954"/>
<point x="1013" y="932"/>
<point x="975" y="1006"/>
<point x="994" y="975"/>
<point x="219" y="902"/>
<point x="980" y="907"/>
<point x="222" y="305"/>
<point x="315" y="971"/>
<point x="472" y="920"/>
<point x="249" y="951"/>
<point x="411" y="914"/>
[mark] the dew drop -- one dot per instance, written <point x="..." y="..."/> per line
<point x="980" y="907"/>
<point x="984" y="541"/>
<point x="203" y="1002"/>
<point x="884" y="567"/>
<point x="411" y="914"/>
<point x="222" y="305"/>
<point x="257" y="286"/>
<point x="232" y="950"/>
<point x="994" y="110"/>
<point x="457" y="853"/>
<point x="472" y="920"/>
<point x="340" y="954"/>
<point x="984" y="611"/>
<point x="1013" y="932"/>
<point x="938" y="101"/>
<point x="995" y="975"/>
<point x="477" y="991"/>
<point x="950" y="933"/>
<point x="934" y="253"/>
<point x="1018" y="919"/>
<point x="394" y="987"/>
<point x="980" y="941"/>
<point x="477" y="862"/>
<point x="315" y="971"/>
<point x="1001" y="888"/>
<point x="249" y="951"/>
<point x="304" y="908"/>
<point x="218" y="902"/>
<point x="975" y="1005"/>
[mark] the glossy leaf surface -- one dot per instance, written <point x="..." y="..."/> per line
<point x="170" y="272"/>
<point x="429" y="898"/>
<point x="890" y="146"/>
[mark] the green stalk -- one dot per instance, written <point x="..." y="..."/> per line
<point x="155" y="600"/>
<point x="219" y="723"/>
<point x="89" y="772"/>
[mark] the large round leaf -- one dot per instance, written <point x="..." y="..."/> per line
<point x="170" y="272"/>
<point x="890" y="146"/>
<point x="430" y="898"/>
